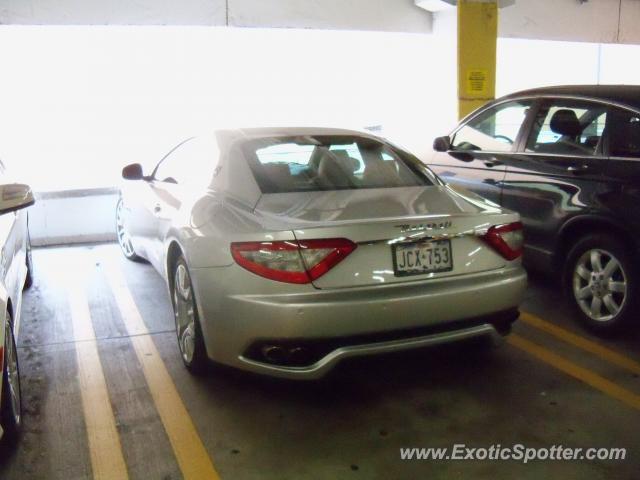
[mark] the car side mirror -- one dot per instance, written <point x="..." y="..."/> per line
<point x="442" y="144"/>
<point x="15" y="196"/>
<point x="133" y="172"/>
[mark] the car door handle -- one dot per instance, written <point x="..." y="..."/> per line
<point x="492" y="163"/>
<point x="578" y="168"/>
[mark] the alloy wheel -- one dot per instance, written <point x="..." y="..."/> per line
<point x="13" y="376"/>
<point x="123" y="237"/>
<point x="29" y="257"/>
<point x="600" y="285"/>
<point x="184" y="313"/>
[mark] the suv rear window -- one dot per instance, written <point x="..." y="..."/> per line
<point x="312" y="163"/>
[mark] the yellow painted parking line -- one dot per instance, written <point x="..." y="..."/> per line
<point x="107" y="461"/>
<point x="587" y="376"/>
<point x="190" y="453"/>
<point x="592" y="347"/>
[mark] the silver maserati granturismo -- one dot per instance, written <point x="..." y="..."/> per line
<point x="287" y="250"/>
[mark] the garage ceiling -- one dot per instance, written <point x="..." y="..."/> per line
<point x="379" y="15"/>
<point x="598" y="21"/>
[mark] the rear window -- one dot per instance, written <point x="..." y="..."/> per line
<point x="312" y="163"/>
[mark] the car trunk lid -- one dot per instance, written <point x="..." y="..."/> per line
<point x="393" y="228"/>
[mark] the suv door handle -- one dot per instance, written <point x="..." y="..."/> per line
<point x="492" y="163"/>
<point x="578" y="168"/>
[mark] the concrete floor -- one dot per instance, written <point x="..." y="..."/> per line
<point x="350" y="425"/>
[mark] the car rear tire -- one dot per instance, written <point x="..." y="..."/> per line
<point x="124" y="239"/>
<point x="602" y="281"/>
<point x="11" y="399"/>
<point x="187" y="320"/>
<point x="28" y="281"/>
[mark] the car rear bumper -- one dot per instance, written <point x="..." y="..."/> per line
<point x="345" y="323"/>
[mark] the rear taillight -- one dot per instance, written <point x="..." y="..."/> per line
<point x="292" y="261"/>
<point x="507" y="239"/>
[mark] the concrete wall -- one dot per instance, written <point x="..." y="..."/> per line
<point x="75" y="216"/>
<point x="378" y="15"/>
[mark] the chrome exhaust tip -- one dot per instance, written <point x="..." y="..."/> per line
<point x="274" y="353"/>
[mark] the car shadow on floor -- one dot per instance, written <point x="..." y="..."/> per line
<point x="363" y="380"/>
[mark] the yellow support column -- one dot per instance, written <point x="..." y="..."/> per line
<point x="477" y="39"/>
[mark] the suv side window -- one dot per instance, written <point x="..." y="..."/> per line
<point x="494" y="130"/>
<point x="624" y="133"/>
<point x="568" y="127"/>
<point x="192" y="162"/>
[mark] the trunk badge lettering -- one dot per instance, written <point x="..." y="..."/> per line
<point x="424" y="226"/>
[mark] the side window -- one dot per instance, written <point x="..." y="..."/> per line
<point x="495" y="130"/>
<point x="568" y="127"/>
<point x="624" y="133"/>
<point x="193" y="163"/>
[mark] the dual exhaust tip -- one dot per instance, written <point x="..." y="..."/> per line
<point x="280" y="355"/>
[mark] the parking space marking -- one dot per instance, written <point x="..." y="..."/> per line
<point x="190" y="453"/>
<point x="592" y="347"/>
<point x="587" y="376"/>
<point x="107" y="460"/>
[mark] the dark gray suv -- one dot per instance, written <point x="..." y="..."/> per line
<point x="568" y="160"/>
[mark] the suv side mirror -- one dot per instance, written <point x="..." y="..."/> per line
<point x="442" y="144"/>
<point x="15" y="196"/>
<point x="133" y="172"/>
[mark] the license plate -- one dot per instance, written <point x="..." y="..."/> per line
<point x="422" y="257"/>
